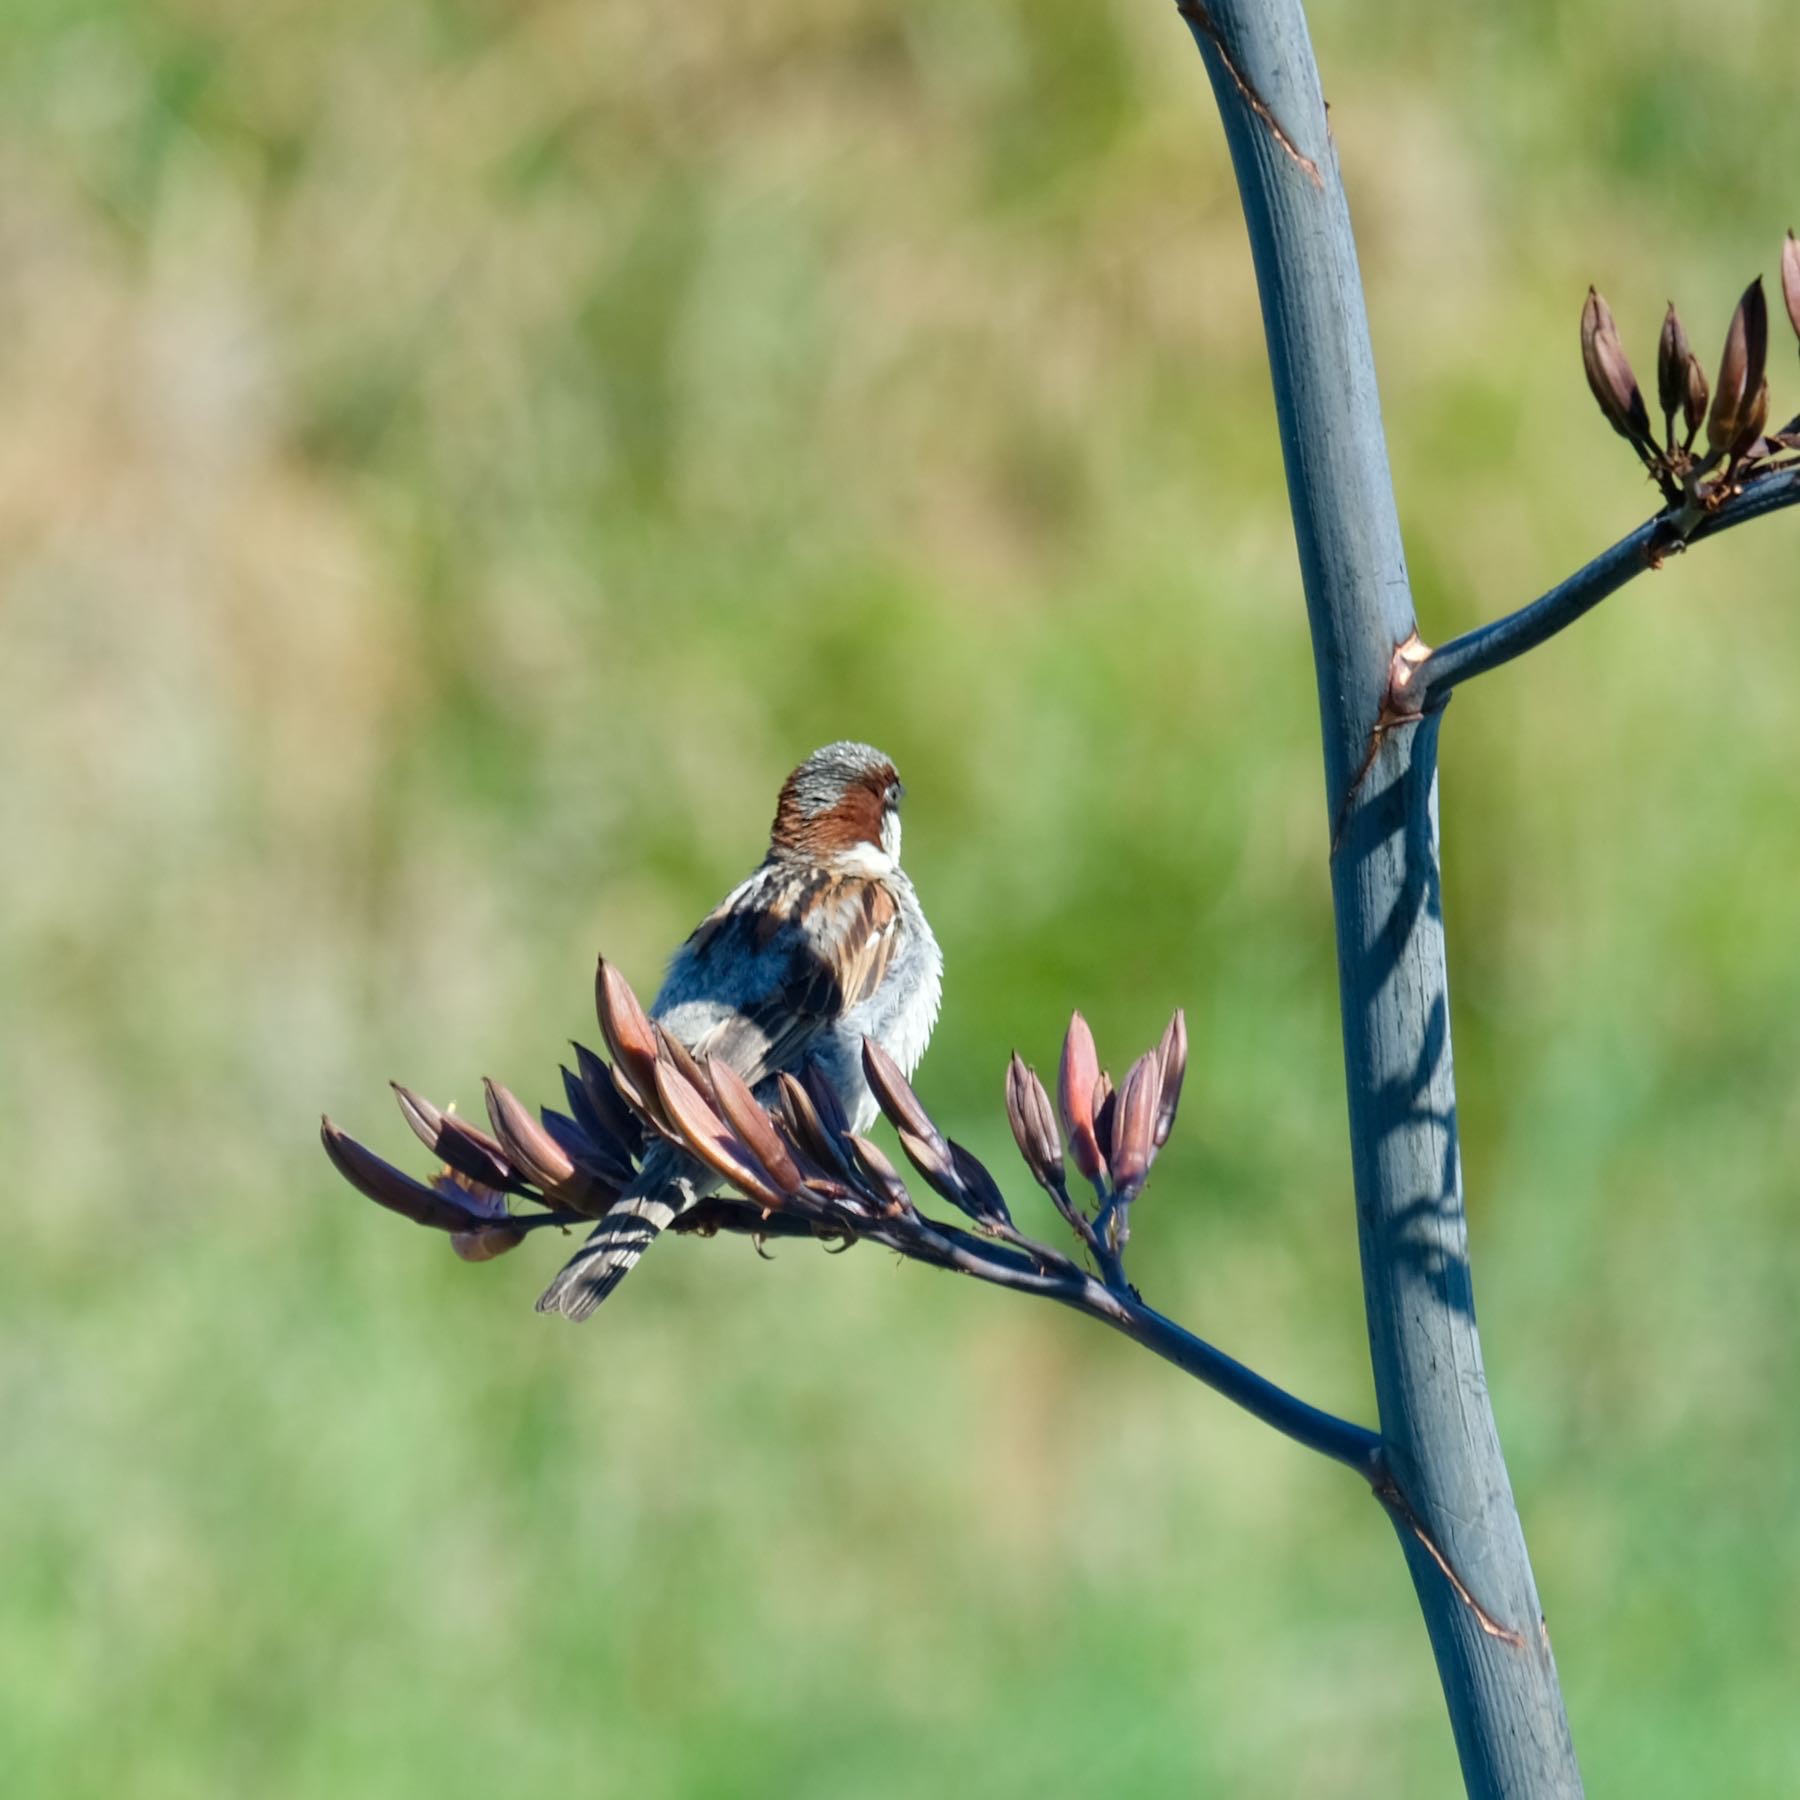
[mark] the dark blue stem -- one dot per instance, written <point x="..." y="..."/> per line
<point x="1436" y="1421"/>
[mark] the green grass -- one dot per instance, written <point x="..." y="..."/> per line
<point x="454" y="460"/>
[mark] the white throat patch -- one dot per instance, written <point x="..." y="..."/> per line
<point x="866" y="859"/>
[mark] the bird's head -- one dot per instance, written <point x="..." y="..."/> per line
<point x="841" y="806"/>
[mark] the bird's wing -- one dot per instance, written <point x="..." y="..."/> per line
<point x="779" y="963"/>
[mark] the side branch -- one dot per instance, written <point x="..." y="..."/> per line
<point x="1353" y="1445"/>
<point x="1429" y="684"/>
<point x="1024" y="1269"/>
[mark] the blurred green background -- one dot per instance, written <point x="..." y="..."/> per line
<point x="454" y="458"/>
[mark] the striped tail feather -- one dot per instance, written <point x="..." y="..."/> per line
<point x="629" y="1228"/>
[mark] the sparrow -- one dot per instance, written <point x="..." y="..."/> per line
<point x="822" y="945"/>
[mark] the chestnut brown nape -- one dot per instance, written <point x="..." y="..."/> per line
<point x="835" y="800"/>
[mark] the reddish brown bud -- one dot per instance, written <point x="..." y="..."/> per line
<point x="527" y="1145"/>
<point x="1756" y="416"/>
<point x="882" y="1175"/>
<point x="1076" y="1075"/>
<point x="626" y="1029"/>
<point x="893" y="1094"/>
<point x="705" y="1133"/>
<point x="393" y="1188"/>
<point x="1693" y="400"/>
<point x="623" y="1021"/>
<point x="1134" y="1134"/>
<point x="931" y="1157"/>
<point x="465" y="1147"/>
<point x="808" y="1129"/>
<point x="753" y="1125"/>
<point x="1673" y="354"/>
<point x="1609" y="372"/>
<point x="1033" y="1124"/>
<point x="425" y="1119"/>
<point x="1740" y="370"/>
<point x="682" y="1057"/>
<point x="1172" y="1053"/>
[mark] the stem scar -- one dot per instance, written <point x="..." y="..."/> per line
<point x="1194" y="11"/>
<point x="1389" y="1492"/>
<point x="1397" y="709"/>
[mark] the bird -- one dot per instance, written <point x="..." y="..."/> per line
<point x="824" y="943"/>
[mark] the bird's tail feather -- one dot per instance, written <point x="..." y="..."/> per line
<point x="629" y="1228"/>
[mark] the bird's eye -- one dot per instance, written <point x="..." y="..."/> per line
<point x="896" y="792"/>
